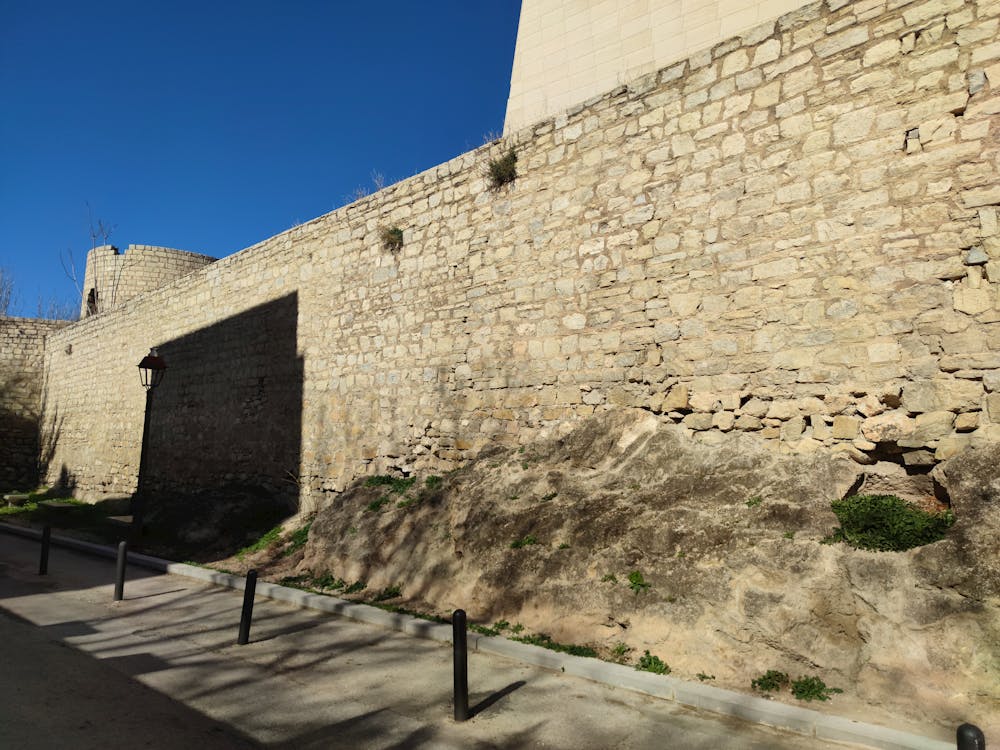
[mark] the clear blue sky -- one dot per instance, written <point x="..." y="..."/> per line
<point x="211" y="125"/>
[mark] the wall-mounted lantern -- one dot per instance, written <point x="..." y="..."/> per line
<point x="151" y="371"/>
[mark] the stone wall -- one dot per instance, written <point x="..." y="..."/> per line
<point x="22" y="348"/>
<point x="117" y="277"/>
<point x="568" y="52"/>
<point x="793" y="234"/>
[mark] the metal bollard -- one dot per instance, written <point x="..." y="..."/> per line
<point x="247" y="614"/>
<point x="970" y="737"/>
<point x="43" y="561"/>
<point x="461" y="663"/>
<point x="120" y="571"/>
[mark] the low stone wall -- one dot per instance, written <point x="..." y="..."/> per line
<point x="793" y="234"/>
<point x="22" y="347"/>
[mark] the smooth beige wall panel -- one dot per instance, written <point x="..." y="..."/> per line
<point x="568" y="52"/>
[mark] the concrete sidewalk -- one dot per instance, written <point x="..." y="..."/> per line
<point x="307" y="679"/>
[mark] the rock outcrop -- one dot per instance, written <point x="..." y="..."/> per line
<point x="729" y="539"/>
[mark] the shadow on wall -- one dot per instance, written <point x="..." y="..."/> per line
<point x="226" y="429"/>
<point x="18" y="451"/>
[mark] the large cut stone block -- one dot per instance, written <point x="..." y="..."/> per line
<point x="941" y="395"/>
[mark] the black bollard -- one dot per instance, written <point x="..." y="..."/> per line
<point x="970" y="737"/>
<point x="248" y="593"/>
<point x="120" y="571"/>
<point x="461" y="661"/>
<point x="43" y="561"/>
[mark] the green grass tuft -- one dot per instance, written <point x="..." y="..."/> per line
<point x="297" y="540"/>
<point x="270" y="538"/>
<point x="545" y="641"/>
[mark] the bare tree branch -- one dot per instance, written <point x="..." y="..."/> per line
<point x="68" y="263"/>
<point x="6" y="291"/>
<point x="56" y="309"/>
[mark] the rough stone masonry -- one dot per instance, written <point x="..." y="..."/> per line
<point x="792" y="234"/>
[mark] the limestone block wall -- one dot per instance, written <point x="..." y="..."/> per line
<point x="116" y="277"/>
<point x="22" y="348"/>
<point x="793" y="234"/>
<point x="568" y="52"/>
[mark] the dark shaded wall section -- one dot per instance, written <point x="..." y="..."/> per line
<point x="226" y="421"/>
<point x="22" y="350"/>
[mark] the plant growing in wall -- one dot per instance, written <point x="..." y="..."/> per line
<point x="502" y="170"/>
<point x="392" y="238"/>
<point x="886" y="523"/>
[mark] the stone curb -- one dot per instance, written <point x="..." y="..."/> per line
<point x="717" y="700"/>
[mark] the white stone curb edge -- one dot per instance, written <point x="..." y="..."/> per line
<point x="717" y="700"/>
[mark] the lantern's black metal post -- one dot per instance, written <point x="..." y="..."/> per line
<point x="461" y="663"/>
<point x="120" y="571"/>
<point x="247" y="614"/>
<point x="970" y="737"/>
<point x="43" y="561"/>
<point x="139" y="502"/>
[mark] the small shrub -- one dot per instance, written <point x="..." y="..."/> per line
<point x="621" y="651"/>
<point x="546" y="498"/>
<point x="649" y="663"/>
<point x="356" y="587"/>
<point x="609" y="578"/>
<point x="770" y="682"/>
<point x="392" y="238"/>
<point x="754" y="501"/>
<point x="433" y="482"/>
<point x="702" y="676"/>
<point x="408" y="502"/>
<point x="789" y="535"/>
<point x="886" y="523"/>
<point x="523" y="542"/>
<point x="564" y="545"/>
<point x="812" y="689"/>
<point x="636" y="582"/>
<point x="503" y="170"/>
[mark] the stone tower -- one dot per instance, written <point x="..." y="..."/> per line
<point x="113" y="277"/>
<point x="571" y="50"/>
